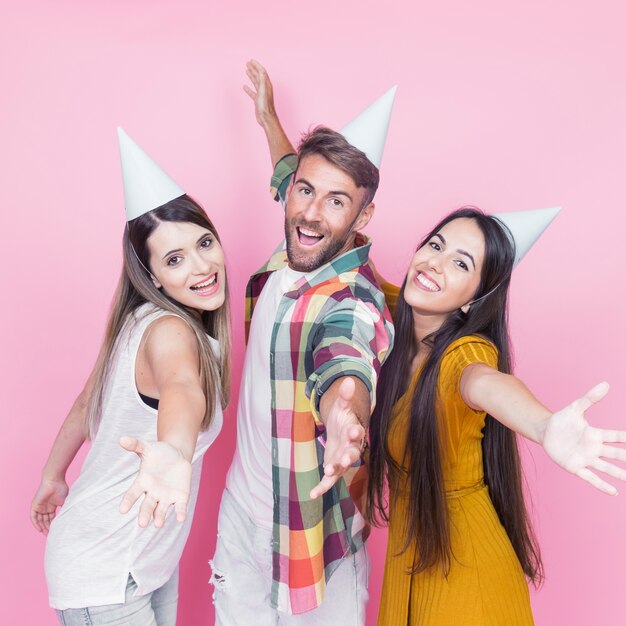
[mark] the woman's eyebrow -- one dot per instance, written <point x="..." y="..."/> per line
<point x="203" y="236"/>
<point x="463" y="252"/>
<point x="467" y="254"/>
<point x="172" y="252"/>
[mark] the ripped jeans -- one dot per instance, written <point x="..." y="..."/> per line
<point x="242" y="578"/>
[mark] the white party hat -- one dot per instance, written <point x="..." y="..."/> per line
<point x="526" y="227"/>
<point x="368" y="130"/>
<point x="146" y="185"/>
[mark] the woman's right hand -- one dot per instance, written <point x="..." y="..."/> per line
<point x="50" y="495"/>
<point x="575" y="445"/>
<point x="164" y="480"/>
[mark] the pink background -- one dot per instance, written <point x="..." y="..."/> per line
<point x="505" y="105"/>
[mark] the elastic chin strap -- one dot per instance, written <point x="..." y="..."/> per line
<point x="469" y="304"/>
<point x="135" y="252"/>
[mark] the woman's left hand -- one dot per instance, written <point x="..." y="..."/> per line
<point x="164" y="480"/>
<point x="578" y="447"/>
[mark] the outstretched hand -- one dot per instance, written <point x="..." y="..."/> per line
<point x="262" y="94"/>
<point x="579" y="448"/>
<point x="164" y="480"/>
<point x="344" y="438"/>
<point x="50" y="495"/>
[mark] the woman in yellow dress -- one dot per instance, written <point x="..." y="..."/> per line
<point x="442" y="435"/>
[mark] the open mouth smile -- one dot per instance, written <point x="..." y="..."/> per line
<point x="308" y="237"/>
<point x="207" y="287"/>
<point x="425" y="283"/>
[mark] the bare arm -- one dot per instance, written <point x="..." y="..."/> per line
<point x="506" y="398"/>
<point x="565" y="435"/>
<point x="171" y="354"/>
<point x="262" y="94"/>
<point x="53" y="488"/>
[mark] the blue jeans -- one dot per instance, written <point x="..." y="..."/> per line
<point x="153" y="609"/>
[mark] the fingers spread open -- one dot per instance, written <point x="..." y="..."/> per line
<point x="351" y="455"/>
<point x="610" y="469"/>
<point x="160" y="513"/>
<point x="595" y="394"/>
<point x="323" y="486"/>
<point x="131" y="496"/>
<point x="146" y="510"/>
<point x="596" y="481"/>
<point x="613" y="452"/>
<point x="180" y="508"/>
<point x="253" y="76"/>
<point x="356" y="433"/>
<point x="614" y="436"/>
<point x="132" y="444"/>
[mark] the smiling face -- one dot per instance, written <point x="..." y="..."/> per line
<point x="322" y="213"/>
<point x="445" y="273"/>
<point x="187" y="262"/>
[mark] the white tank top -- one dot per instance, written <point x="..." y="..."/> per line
<point x="92" y="547"/>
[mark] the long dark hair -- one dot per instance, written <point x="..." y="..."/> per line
<point x="427" y="525"/>
<point x="135" y="287"/>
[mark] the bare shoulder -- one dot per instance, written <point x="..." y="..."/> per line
<point x="169" y="335"/>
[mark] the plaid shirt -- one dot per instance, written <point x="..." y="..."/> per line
<point x="335" y="325"/>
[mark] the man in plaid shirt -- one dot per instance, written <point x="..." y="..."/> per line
<point x="291" y="533"/>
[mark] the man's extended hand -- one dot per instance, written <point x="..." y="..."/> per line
<point x="344" y="437"/>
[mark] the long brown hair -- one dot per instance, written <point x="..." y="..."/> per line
<point x="135" y="287"/>
<point x="427" y="525"/>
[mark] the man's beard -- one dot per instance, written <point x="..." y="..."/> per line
<point x="326" y="252"/>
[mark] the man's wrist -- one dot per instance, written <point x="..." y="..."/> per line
<point x="269" y="120"/>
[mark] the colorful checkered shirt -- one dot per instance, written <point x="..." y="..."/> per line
<point x="335" y="325"/>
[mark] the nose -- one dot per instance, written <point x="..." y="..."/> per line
<point x="434" y="263"/>
<point x="199" y="264"/>
<point x="312" y="211"/>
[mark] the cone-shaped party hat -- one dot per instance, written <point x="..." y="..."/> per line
<point x="146" y="185"/>
<point x="526" y="227"/>
<point x="368" y="130"/>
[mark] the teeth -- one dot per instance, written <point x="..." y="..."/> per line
<point x="429" y="284"/>
<point x="308" y="233"/>
<point x="207" y="283"/>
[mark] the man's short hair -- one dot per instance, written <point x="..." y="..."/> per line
<point x="336" y="150"/>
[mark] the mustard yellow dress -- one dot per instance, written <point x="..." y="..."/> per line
<point x="486" y="585"/>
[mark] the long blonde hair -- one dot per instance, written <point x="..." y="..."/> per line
<point x="135" y="288"/>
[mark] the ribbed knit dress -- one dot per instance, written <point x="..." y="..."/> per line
<point x="486" y="585"/>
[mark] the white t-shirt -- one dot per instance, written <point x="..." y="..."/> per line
<point x="249" y="479"/>
<point x="92" y="547"/>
